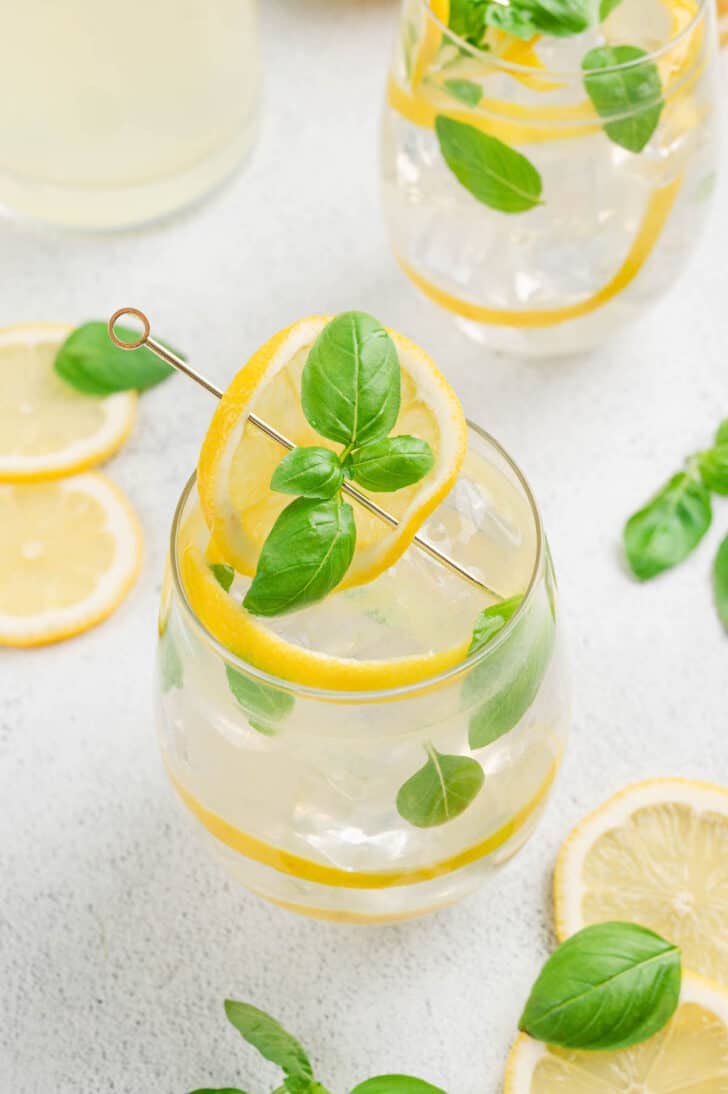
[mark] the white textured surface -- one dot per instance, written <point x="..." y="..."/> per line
<point x="118" y="938"/>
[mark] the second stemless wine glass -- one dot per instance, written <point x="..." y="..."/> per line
<point x="541" y="217"/>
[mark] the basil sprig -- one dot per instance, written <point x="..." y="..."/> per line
<point x="278" y="1046"/>
<point x="626" y="88"/>
<point x="90" y="362"/>
<point x="350" y="393"/>
<point x="672" y="524"/>
<point x="610" y="986"/>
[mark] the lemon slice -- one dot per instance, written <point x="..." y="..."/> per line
<point x="237" y="460"/>
<point x="47" y="429"/>
<point x="69" y="552"/>
<point x="657" y="854"/>
<point x="690" y="1056"/>
<point x="246" y="636"/>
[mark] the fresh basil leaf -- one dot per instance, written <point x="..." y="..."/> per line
<point x="391" y="464"/>
<point x="171" y="670"/>
<point x="310" y="472"/>
<point x="511" y="20"/>
<point x="610" y="986"/>
<point x="631" y="95"/>
<point x="467" y="19"/>
<point x="606" y="8"/>
<point x="273" y="1042"/>
<point x="441" y="790"/>
<point x="223" y="574"/>
<point x="490" y="170"/>
<point x="396" y="1084"/>
<point x="668" y="528"/>
<point x="720" y="582"/>
<point x="508" y="680"/>
<point x="721" y="436"/>
<point x="350" y="388"/>
<point x="465" y="91"/>
<point x="306" y="554"/>
<point x="261" y="702"/>
<point x="491" y="622"/>
<point x="89" y="361"/>
<point x="524" y="18"/>
<point x="714" y="469"/>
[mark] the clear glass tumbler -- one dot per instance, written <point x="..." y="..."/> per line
<point x="541" y="204"/>
<point x="114" y="115"/>
<point x="373" y="806"/>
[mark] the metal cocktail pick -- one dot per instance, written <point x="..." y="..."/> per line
<point x="145" y="339"/>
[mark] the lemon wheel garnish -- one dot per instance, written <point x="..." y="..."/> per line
<point x="250" y="639"/>
<point x="655" y="854"/>
<point x="69" y="552"/>
<point x="237" y="460"/>
<point x="47" y="429"/>
<point x="690" y="1056"/>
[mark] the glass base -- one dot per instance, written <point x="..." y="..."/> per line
<point x="103" y="208"/>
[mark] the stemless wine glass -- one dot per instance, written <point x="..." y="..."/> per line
<point x="113" y="117"/>
<point x="372" y="806"/>
<point x="540" y="205"/>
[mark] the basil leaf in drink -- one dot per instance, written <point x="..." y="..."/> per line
<point x="396" y="1084"/>
<point x="465" y="91"/>
<point x="524" y="18"/>
<point x="171" y="670"/>
<point x="610" y="986"/>
<point x="391" y="464"/>
<point x="631" y="95"/>
<point x="223" y="574"/>
<point x="491" y="622"/>
<point x="350" y="388"/>
<point x="467" y="19"/>
<point x="306" y="554"/>
<point x="669" y="527"/>
<point x="441" y="790"/>
<point x="720" y="582"/>
<point x="490" y="170"/>
<point x="511" y="20"/>
<point x="714" y="469"/>
<point x="261" y="702"/>
<point x="274" y="1043"/>
<point x="310" y="472"/>
<point x="89" y="361"/>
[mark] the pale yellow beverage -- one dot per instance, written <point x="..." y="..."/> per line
<point x="115" y="114"/>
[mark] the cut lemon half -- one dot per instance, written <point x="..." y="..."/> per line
<point x="237" y="460"/>
<point x="48" y="429"/>
<point x="69" y="552"/>
<point x="249" y="638"/>
<point x="689" y="1056"/>
<point x="656" y="854"/>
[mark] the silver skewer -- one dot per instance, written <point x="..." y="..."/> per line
<point x="145" y="339"/>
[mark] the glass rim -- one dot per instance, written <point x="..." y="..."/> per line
<point x="372" y="695"/>
<point x="511" y="66"/>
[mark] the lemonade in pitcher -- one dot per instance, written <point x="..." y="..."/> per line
<point x="112" y="115"/>
<point x="365" y="716"/>
<point x="548" y="163"/>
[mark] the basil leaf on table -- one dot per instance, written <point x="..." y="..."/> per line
<point x="311" y="472"/>
<point x="324" y="536"/>
<point x="721" y="436"/>
<point x="606" y="8"/>
<point x="350" y="387"/>
<point x="273" y="1042"/>
<point x="223" y="1090"/>
<point x="610" y="986"/>
<point x="630" y="95"/>
<point x="713" y="466"/>
<point x="465" y="91"/>
<point x="720" y="582"/>
<point x="669" y="527"/>
<point x="90" y="362"/>
<point x="396" y="1084"/>
<point x="494" y="173"/>
<point x="391" y="464"/>
<point x="224" y="575"/>
<point x="260" y="701"/>
<point x="441" y="790"/>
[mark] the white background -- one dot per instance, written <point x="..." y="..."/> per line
<point x="118" y="938"/>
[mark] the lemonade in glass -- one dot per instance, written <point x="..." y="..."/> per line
<point x="547" y="164"/>
<point x="366" y="745"/>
